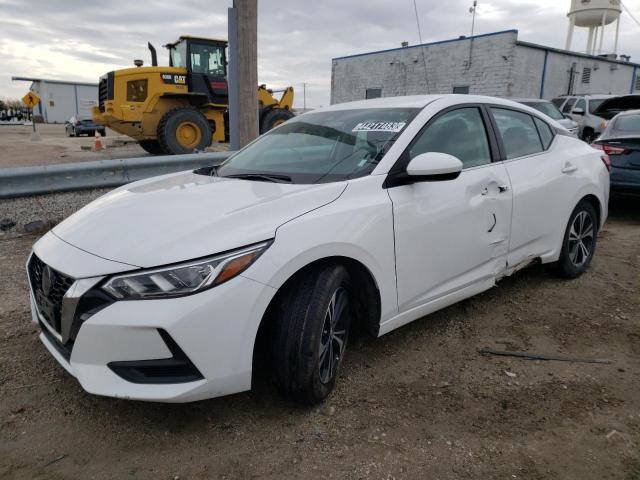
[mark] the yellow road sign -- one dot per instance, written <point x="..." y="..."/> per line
<point x="31" y="99"/>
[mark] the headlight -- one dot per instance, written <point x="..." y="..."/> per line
<point x="185" y="278"/>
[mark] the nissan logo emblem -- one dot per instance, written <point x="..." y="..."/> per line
<point x="47" y="280"/>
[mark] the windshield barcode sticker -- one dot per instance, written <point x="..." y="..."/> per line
<point x="379" y="127"/>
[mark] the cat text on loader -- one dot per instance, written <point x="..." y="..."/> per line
<point x="181" y="108"/>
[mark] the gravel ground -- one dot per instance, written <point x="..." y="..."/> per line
<point x="417" y="403"/>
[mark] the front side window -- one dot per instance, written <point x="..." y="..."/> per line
<point x="569" y="105"/>
<point x="179" y="55"/>
<point x="580" y="104"/>
<point x="207" y="59"/>
<point x="518" y="132"/>
<point x="460" y="133"/>
<point x="321" y="147"/>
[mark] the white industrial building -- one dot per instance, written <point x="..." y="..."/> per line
<point x="60" y="100"/>
<point x="496" y="64"/>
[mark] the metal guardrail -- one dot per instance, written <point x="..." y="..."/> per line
<point x="63" y="177"/>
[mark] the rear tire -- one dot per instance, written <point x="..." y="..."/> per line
<point x="273" y="118"/>
<point x="184" y="130"/>
<point x="311" y="334"/>
<point x="151" y="146"/>
<point x="579" y="242"/>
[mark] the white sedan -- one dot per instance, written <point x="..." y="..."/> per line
<point x="364" y="215"/>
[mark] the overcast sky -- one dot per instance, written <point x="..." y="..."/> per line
<point x="81" y="40"/>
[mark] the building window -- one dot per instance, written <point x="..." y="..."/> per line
<point x="586" y="75"/>
<point x="463" y="89"/>
<point x="373" y="93"/>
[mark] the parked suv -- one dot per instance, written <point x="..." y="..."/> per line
<point x="580" y="108"/>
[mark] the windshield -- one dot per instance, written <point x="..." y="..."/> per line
<point x="594" y="104"/>
<point x="547" y="108"/>
<point x="321" y="147"/>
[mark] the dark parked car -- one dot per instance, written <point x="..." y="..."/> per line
<point x="83" y="126"/>
<point x="621" y="142"/>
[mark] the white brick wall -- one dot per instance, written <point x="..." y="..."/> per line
<point x="500" y="66"/>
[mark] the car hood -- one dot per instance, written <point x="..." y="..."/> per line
<point x="567" y="123"/>
<point x="183" y="216"/>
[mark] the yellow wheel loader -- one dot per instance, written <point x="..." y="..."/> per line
<point x="181" y="108"/>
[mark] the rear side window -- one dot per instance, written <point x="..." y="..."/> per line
<point x="460" y="133"/>
<point x="518" y="132"/>
<point x="546" y="134"/>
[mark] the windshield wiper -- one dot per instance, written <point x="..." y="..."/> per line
<point x="264" y="177"/>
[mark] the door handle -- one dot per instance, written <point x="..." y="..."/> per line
<point x="503" y="188"/>
<point x="569" y="168"/>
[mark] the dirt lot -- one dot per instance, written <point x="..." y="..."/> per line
<point x="417" y="403"/>
<point x="17" y="150"/>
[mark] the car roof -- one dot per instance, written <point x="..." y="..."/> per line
<point x="418" y="101"/>
<point x="531" y="100"/>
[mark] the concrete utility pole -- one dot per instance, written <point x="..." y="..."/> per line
<point x="243" y="72"/>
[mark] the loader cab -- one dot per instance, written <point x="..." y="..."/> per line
<point x="206" y="63"/>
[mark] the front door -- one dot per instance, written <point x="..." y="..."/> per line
<point x="208" y="70"/>
<point x="452" y="234"/>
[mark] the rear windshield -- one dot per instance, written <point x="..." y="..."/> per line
<point x="547" y="108"/>
<point x="627" y="124"/>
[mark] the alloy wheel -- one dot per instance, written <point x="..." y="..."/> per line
<point x="334" y="335"/>
<point x="581" y="238"/>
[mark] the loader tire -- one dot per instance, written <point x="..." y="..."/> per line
<point x="151" y="146"/>
<point x="183" y="130"/>
<point x="273" y="118"/>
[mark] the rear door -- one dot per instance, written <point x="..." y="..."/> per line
<point x="543" y="183"/>
<point x="452" y="234"/>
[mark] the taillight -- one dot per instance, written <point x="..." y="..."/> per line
<point x="607" y="161"/>
<point x="609" y="149"/>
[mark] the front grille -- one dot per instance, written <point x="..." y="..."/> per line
<point x="49" y="302"/>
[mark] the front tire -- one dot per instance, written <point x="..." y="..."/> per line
<point x="184" y="130"/>
<point x="579" y="242"/>
<point x="311" y="334"/>
<point x="151" y="146"/>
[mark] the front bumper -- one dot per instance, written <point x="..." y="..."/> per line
<point x="215" y="330"/>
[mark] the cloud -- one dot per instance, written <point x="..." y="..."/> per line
<point x="76" y="39"/>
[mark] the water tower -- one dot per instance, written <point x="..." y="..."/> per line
<point x="594" y="15"/>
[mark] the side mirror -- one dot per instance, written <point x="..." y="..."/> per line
<point x="578" y="111"/>
<point x="434" y="166"/>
